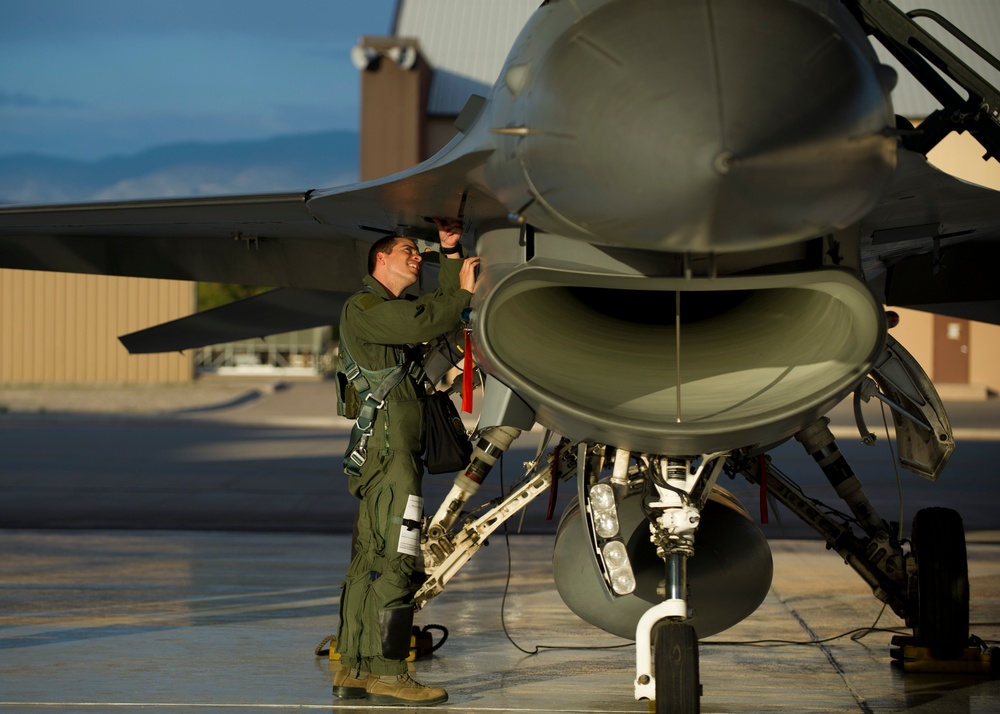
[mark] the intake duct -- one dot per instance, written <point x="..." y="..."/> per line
<point x="596" y="354"/>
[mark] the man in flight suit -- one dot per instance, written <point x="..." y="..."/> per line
<point x="376" y="604"/>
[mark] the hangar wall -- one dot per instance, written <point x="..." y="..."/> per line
<point x="60" y="328"/>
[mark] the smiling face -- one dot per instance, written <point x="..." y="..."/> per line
<point x="399" y="267"/>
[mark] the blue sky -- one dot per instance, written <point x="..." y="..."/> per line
<point x="85" y="79"/>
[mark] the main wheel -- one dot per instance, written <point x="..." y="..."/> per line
<point x="938" y="543"/>
<point x="675" y="651"/>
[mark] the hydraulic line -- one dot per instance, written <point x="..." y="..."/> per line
<point x="819" y="442"/>
<point x="493" y="442"/>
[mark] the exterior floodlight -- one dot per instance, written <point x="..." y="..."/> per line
<point x="364" y="58"/>
<point x="405" y="56"/>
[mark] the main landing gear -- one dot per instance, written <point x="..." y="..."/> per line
<point x="924" y="580"/>
<point x="941" y="587"/>
<point x="926" y="584"/>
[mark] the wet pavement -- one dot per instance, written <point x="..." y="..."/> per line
<point x="225" y="615"/>
<point x="130" y="621"/>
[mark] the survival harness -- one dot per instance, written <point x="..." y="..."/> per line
<point x="371" y="387"/>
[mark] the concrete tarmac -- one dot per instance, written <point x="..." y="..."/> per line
<point x="222" y="611"/>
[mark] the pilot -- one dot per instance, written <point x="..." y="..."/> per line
<point x="376" y="603"/>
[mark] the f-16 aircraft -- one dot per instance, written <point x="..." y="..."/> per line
<point x="690" y="214"/>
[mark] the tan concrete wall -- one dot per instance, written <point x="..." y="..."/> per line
<point x="984" y="355"/>
<point x="915" y="332"/>
<point x="59" y="328"/>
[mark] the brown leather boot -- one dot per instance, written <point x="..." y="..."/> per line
<point x="403" y="689"/>
<point x="347" y="686"/>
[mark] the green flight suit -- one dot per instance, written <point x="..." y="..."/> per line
<point x="376" y="601"/>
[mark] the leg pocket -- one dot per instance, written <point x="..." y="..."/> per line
<point x="395" y="627"/>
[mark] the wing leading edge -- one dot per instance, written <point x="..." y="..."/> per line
<point x="313" y="240"/>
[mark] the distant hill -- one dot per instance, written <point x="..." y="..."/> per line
<point x="285" y="163"/>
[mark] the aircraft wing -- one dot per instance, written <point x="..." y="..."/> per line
<point x="253" y="240"/>
<point x="315" y="240"/>
<point x="935" y="241"/>
<point x="277" y="311"/>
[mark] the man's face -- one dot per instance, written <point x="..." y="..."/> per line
<point x="403" y="261"/>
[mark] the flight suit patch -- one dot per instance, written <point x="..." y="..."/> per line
<point x="367" y="300"/>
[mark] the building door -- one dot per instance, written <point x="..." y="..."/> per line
<point x="951" y="350"/>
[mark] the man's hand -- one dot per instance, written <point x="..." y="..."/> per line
<point x="449" y="233"/>
<point x="467" y="275"/>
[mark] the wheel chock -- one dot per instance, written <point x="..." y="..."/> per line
<point x="422" y="644"/>
<point x="969" y="660"/>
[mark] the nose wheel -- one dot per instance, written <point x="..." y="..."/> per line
<point x="678" y="689"/>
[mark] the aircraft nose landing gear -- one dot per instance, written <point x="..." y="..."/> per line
<point x="680" y="493"/>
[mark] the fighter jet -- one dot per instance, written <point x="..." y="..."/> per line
<point x="690" y="215"/>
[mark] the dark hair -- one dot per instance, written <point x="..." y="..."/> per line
<point x="382" y="245"/>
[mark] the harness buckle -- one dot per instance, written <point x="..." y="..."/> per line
<point x="355" y="460"/>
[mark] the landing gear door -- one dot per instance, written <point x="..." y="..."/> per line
<point x="923" y="433"/>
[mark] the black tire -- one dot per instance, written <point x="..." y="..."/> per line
<point x="675" y="650"/>
<point x="942" y="597"/>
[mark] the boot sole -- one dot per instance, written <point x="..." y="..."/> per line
<point x="350" y="692"/>
<point x="387" y="699"/>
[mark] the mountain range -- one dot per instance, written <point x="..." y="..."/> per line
<point x="285" y="163"/>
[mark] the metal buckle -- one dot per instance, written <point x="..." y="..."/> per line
<point x="358" y="456"/>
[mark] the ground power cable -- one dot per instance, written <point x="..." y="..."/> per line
<point x="860" y="633"/>
<point x="503" y="604"/>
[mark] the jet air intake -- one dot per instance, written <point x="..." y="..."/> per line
<point x="604" y="358"/>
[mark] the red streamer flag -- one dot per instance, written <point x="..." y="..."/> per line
<point x="467" y="370"/>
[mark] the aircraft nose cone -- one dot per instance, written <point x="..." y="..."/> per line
<point x="705" y="126"/>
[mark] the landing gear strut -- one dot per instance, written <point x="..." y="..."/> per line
<point x="926" y="585"/>
<point x="678" y="491"/>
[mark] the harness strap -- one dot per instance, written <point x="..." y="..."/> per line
<point x="372" y="398"/>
